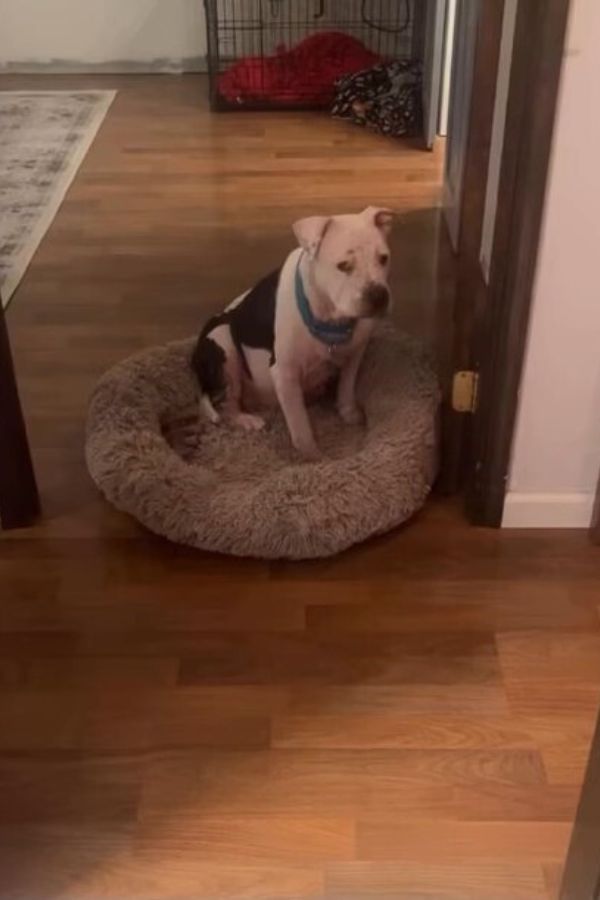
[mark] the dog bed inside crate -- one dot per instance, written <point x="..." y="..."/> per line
<point x="221" y="489"/>
<point x="303" y="75"/>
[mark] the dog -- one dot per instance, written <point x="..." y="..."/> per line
<point x="284" y="340"/>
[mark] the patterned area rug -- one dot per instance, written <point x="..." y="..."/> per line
<point x="44" y="136"/>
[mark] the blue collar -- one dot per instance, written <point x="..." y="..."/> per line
<point x="333" y="332"/>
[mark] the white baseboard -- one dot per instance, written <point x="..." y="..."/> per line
<point x="160" y="66"/>
<point x="547" y="510"/>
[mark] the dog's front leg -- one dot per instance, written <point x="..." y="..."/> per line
<point x="291" y="399"/>
<point x="349" y="410"/>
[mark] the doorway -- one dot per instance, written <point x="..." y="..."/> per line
<point x="175" y="721"/>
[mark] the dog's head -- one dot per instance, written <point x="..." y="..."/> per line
<point x="349" y="257"/>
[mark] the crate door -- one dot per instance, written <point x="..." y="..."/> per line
<point x="433" y="56"/>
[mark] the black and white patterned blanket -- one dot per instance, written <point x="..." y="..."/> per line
<point x="386" y="98"/>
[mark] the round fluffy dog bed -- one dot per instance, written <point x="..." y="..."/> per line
<point x="249" y="494"/>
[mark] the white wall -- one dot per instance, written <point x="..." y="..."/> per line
<point x="158" y="33"/>
<point x="449" y="32"/>
<point x="148" y="35"/>
<point x="488" y="227"/>
<point x="556" y="453"/>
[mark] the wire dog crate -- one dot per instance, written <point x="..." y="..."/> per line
<point x="283" y="54"/>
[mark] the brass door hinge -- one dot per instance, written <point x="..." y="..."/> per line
<point x="464" y="391"/>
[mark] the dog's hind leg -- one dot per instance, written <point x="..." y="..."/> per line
<point x="233" y="408"/>
<point x="209" y="362"/>
<point x="219" y="370"/>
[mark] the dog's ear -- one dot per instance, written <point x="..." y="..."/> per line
<point x="310" y="232"/>
<point x="382" y="217"/>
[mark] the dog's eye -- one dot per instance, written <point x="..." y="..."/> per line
<point x="345" y="267"/>
<point x="384" y="259"/>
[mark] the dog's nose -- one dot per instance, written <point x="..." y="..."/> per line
<point x="376" y="299"/>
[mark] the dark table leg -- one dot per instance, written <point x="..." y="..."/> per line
<point x="19" y="500"/>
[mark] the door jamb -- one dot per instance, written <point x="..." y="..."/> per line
<point x="500" y="336"/>
<point x="581" y="877"/>
<point x="595" y="526"/>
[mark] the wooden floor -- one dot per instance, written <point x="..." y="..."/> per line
<point x="409" y="720"/>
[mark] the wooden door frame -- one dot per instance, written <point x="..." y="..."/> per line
<point x="484" y="25"/>
<point x="581" y="880"/>
<point x="499" y="339"/>
<point x="595" y="526"/>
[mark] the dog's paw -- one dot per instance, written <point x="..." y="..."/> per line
<point x="352" y="415"/>
<point x="181" y="433"/>
<point x="249" y="422"/>
<point x="213" y="418"/>
<point x="207" y="412"/>
<point x="310" y="453"/>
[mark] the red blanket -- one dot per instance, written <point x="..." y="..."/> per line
<point x="304" y="74"/>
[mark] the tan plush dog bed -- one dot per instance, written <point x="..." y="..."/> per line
<point x="229" y="491"/>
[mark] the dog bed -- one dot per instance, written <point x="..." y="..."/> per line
<point x="221" y="489"/>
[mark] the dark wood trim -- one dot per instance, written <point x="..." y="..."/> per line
<point x="19" y="500"/>
<point x="468" y="275"/>
<point x="581" y="879"/>
<point x="595" y="526"/>
<point x="501" y="334"/>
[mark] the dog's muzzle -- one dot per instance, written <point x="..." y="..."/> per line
<point x="375" y="300"/>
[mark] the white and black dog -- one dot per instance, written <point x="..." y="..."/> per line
<point x="284" y="340"/>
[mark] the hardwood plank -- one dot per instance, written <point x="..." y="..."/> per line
<point x="339" y="659"/>
<point x="66" y="787"/>
<point x="139" y="878"/>
<point x="51" y="860"/>
<point x="111" y="720"/>
<point x="291" y="839"/>
<point x="419" y="699"/>
<point x="442" y="881"/>
<point x="396" y="839"/>
<point x="468" y="784"/>
<point x="464" y="607"/>
<point x="90" y="610"/>
<point x="93" y="862"/>
<point x="387" y="730"/>
<point x="40" y="721"/>
<point x="553" y="873"/>
<point x="182" y="720"/>
<point x="546" y="672"/>
<point x="124" y="673"/>
<point x="566" y="656"/>
<point x="12" y="673"/>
